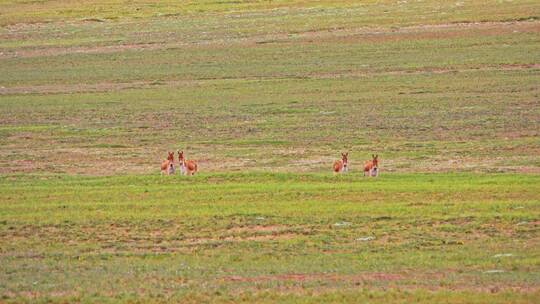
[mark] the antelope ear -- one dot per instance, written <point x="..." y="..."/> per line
<point x="347" y="154"/>
<point x="377" y="156"/>
<point x="373" y="155"/>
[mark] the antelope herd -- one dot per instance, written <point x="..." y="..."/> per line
<point x="371" y="167"/>
<point x="189" y="167"/>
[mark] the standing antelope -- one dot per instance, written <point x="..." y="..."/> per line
<point x="187" y="167"/>
<point x="342" y="165"/>
<point x="371" y="167"/>
<point x="167" y="166"/>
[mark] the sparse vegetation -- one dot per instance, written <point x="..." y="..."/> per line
<point x="264" y="95"/>
<point x="262" y="236"/>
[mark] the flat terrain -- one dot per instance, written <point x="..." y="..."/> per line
<point x="271" y="237"/>
<point x="269" y="86"/>
<point x="265" y="95"/>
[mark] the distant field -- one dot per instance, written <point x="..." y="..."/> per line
<point x="265" y="95"/>
<point x="271" y="237"/>
<point x="288" y="12"/>
<point x="268" y="85"/>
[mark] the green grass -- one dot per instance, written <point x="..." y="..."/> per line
<point x="295" y="124"/>
<point x="219" y="235"/>
<point x="365" y="12"/>
<point x="111" y="97"/>
<point x="265" y="95"/>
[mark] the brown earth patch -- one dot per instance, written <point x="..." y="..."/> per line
<point x="257" y="238"/>
<point x="139" y="239"/>
<point x="117" y="86"/>
<point x="440" y="31"/>
<point x="143" y="245"/>
<point x="85" y="87"/>
<point x="528" y="170"/>
<point x="368" y="34"/>
<point x="373" y="276"/>
<point x="255" y="229"/>
<point x="36" y="294"/>
<point x="75" y="161"/>
<point x="103" y="49"/>
<point x="432" y="281"/>
<point x="425" y="70"/>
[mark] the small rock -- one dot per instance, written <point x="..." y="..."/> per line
<point x="365" y="239"/>
<point x="494" y="271"/>
<point x="502" y="255"/>
<point x="340" y="224"/>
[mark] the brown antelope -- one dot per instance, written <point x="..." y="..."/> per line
<point x="187" y="167"/>
<point x="371" y="167"/>
<point x="342" y="165"/>
<point x="167" y="166"/>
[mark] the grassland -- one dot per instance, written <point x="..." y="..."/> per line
<point x="239" y="90"/>
<point x="271" y="237"/>
<point x="265" y="94"/>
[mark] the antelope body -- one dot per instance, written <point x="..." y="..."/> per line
<point x="371" y="167"/>
<point x="167" y="166"/>
<point x="342" y="165"/>
<point x="187" y="167"/>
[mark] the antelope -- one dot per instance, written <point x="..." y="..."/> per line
<point x="167" y="166"/>
<point x="342" y="165"/>
<point x="371" y="167"/>
<point x="187" y="167"/>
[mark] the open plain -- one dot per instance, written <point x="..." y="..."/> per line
<point x="265" y="95"/>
